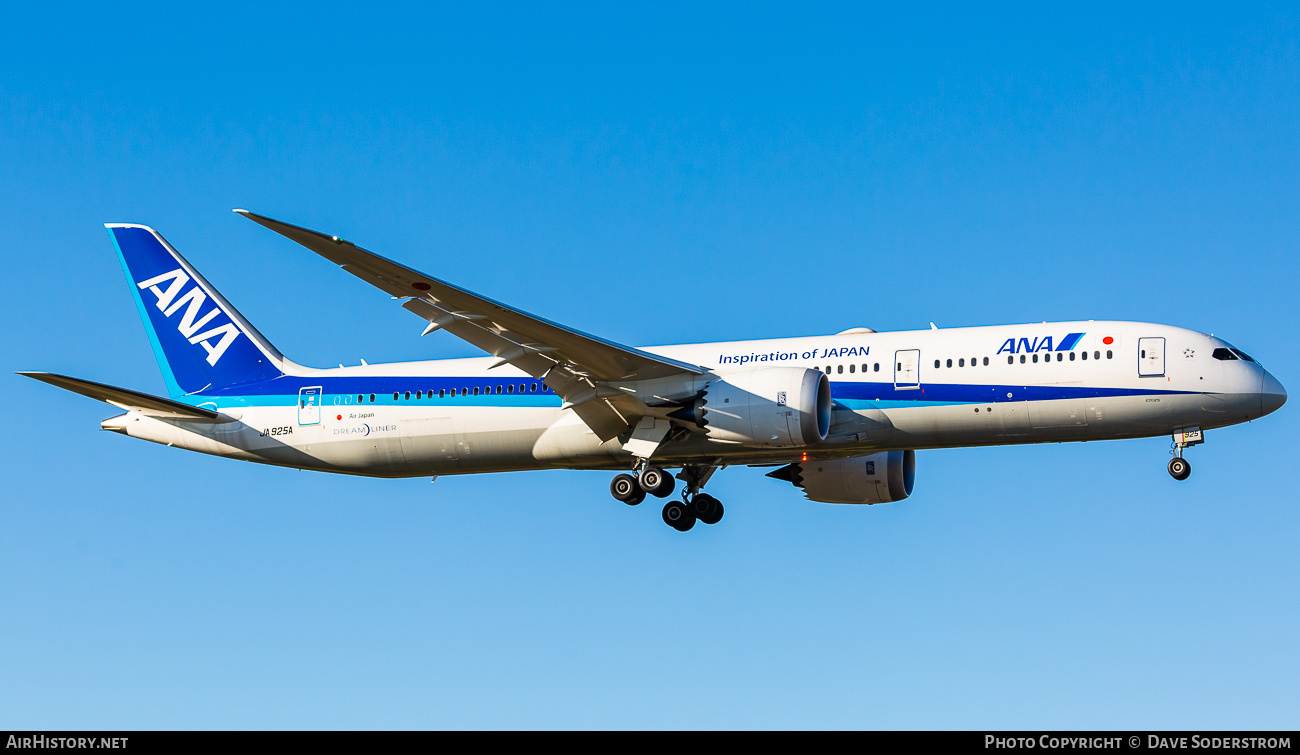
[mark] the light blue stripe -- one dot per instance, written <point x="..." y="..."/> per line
<point x="173" y="388"/>
<point x="861" y="404"/>
<point x="503" y="401"/>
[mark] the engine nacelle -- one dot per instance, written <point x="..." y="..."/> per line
<point x="783" y="407"/>
<point x="879" y="478"/>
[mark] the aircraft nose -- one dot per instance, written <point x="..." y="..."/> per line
<point x="1271" y="394"/>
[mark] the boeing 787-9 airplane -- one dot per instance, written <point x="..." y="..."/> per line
<point x="838" y="416"/>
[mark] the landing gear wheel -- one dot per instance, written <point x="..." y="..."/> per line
<point x="624" y="487"/>
<point x="656" y="482"/>
<point x="706" y="508"/>
<point x="1179" y="468"/>
<point x="677" y="516"/>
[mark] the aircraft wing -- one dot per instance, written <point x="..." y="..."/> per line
<point x="577" y="366"/>
<point x="153" y="406"/>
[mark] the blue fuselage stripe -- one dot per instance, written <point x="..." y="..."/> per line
<point x="355" y="391"/>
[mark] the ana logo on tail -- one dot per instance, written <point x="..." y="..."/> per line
<point x="171" y="300"/>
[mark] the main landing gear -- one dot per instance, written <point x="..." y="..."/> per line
<point x="1180" y="468"/>
<point x="632" y="490"/>
<point x="694" y="506"/>
<point x="680" y="515"/>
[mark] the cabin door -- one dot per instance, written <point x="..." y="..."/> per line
<point x="309" y="406"/>
<point x="1151" y="357"/>
<point x="907" y="369"/>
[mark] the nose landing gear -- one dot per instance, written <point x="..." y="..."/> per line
<point x="1180" y="468"/>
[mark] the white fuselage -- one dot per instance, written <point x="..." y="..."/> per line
<point x="994" y="385"/>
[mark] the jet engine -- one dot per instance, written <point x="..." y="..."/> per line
<point x="879" y="478"/>
<point x="783" y="407"/>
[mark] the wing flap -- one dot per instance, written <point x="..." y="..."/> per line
<point x="153" y="406"/>
<point x="531" y="360"/>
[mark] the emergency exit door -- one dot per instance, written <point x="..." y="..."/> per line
<point x="1151" y="357"/>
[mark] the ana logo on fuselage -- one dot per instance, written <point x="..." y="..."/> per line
<point x="170" y="301"/>
<point x="1026" y="346"/>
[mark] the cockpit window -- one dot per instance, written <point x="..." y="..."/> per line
<point x="1225" y="355"/>
<point x="1243" y="355"/>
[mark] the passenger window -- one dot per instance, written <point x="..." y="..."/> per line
<point x="949" y="362"/>
<point x="1096" y="355"/>
<point x="1085" y="356"/>
<point x="936" y="365"/>
<point x="1071" y="356"/>
<point x="1059" y="356"/>
<point x="877" y="369"/>
<point x="852" y="367"/>
<point x="510" y="388"/>
<point x="532" y="388"/>
<point x="840" y="369"/>
<point x="1010" y="359"/>
<point x="986" y="361"/>
<point x="408" y="396"/>
<point x="1035" y="359"/>
<point x="442" y="393"/>
<point x="418" y="394"/>
<point x="361" y="399"/>
<point x="372" y="398"/>
<point x="961" y="362"/>
<point x="476" y="390"/>
<point x="1022" y="358"/>
<point x="1109" y="353"/>
<point x="828" y="369"/>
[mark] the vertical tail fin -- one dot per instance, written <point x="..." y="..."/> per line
<point x="201" y="342"/>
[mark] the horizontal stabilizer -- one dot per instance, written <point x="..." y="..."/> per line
<point x="153" y="406"/>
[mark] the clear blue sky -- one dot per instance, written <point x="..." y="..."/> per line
<point x="656" y="174"/>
